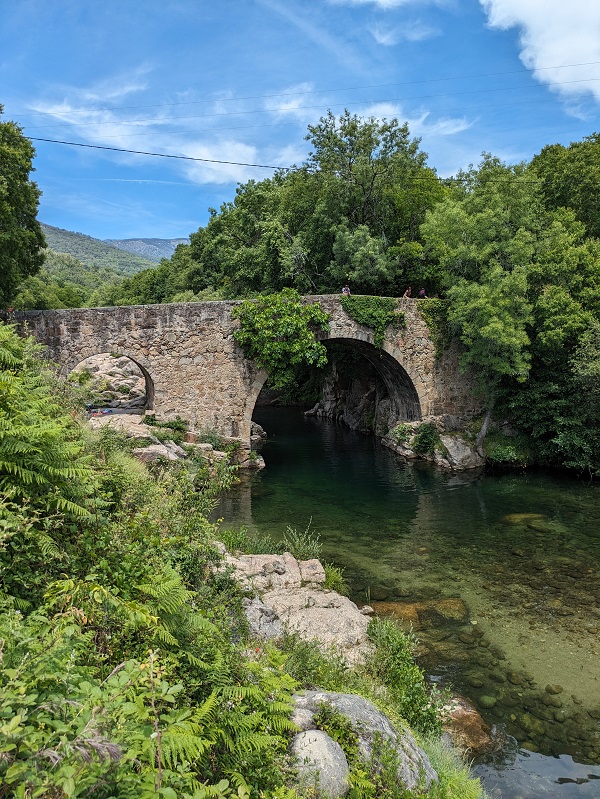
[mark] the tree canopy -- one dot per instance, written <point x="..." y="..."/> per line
<point x="21" y="237"/>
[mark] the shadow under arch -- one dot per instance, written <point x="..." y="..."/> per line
<point x="398" y="385"/>
<point x="401" y="390"/>
<point x="81" y="358"/>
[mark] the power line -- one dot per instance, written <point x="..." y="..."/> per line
<point x="344" y="89"/>
<point x="242" y="163"/>
<point x="158" y="155"/>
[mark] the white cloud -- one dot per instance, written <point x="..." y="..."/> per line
<point x="553" y="33"/>
<point x="291" y="103"/>
<point x="74" y="119"/>
<point x="422" y="125"/>
<point x="410" y="32"/>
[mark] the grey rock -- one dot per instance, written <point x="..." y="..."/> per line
<point x="415" y="772"/>
<point x="321" y="764"/>
<point x="154" y="452"/>
<point x="460" y="455"/>
<point x="262" y="620"/>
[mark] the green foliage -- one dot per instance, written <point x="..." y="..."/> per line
<point x="338" y="727"/>
<point x="21" y="237"/>
<point x="435" y="313"/>
<point x="426" y="439"/>
<point x="503" y="451"/>
<point x="402" y="432"/>
<point x="303" y="544"/>
<point x="394" y="665"/>
<point x="570" y="177"/>
<point x="335" y="580"/>
<point x="41" y="459"/>
<point x="376" y="313"/>
<point x="278" y="332"/>
<point x="455" y="779"/>
<point x="245" y="541"/>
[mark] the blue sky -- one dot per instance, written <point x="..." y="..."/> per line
<point x="239" y="80"/>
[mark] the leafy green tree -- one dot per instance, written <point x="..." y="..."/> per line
<point x="570" y="178"/>
<point x="21" y="237"/>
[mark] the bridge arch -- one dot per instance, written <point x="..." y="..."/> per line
<point x="75" y="361"/>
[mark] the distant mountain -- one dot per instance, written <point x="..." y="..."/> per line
<point x="95" y="253"/>
<point x="152" y="249"/>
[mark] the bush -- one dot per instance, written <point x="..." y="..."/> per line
<point x="303" y="545"/>
<point x="335" y="580"/>
<point x="426" y="439"/>
<point x="393" y="664"/>
<point x="401" y="433"/>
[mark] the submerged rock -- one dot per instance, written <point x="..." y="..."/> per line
<point x="419" y="614"/>
<point x="467" y="730"/>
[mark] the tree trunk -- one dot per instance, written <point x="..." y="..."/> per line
<point x="483" y="432"/>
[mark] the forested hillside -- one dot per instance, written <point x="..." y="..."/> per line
<point x="93" y="252"/>
<point x="151" y="249"/>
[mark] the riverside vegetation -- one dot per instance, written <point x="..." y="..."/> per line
<point x="126" y="669"/>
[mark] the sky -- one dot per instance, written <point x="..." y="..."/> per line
<point x="240" y="81"/>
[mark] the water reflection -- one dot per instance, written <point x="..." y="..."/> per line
<point x="498" y="575"/>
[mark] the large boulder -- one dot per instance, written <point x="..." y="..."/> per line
<point x="292" y="593"/>
<point x="328" y="618"/>
<point x="272" y="572"/>
<point x="373" y="729"/>
<point x="321" y="764"/>
<point x="460" y="455"/>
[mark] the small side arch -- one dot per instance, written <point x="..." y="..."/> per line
<point x="76" y="360"/>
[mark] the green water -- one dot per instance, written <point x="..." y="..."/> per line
<point x="498" y="575"/>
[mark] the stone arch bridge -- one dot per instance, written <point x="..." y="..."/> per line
<point x="195" y="369"/>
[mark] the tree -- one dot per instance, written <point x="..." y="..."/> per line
<point x="21" y="237"/>
<point x="570" y="178"/>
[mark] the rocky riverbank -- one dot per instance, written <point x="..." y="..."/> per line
<point x="289" y="595"/>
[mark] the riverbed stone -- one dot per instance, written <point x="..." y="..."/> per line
<point x="467" y="730"/>
<point x="321" y="764"/>
<point x="421" y="614"/>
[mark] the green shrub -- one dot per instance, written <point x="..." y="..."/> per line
<point x="401" y="433"/>
<point x="303" y="544"/>
<point x="246" y="541"/>
<point x="393" y="664"/>
<point x="426" y="439"/>
<point x="335" y="580"/>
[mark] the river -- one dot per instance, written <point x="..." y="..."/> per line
<point x="498" y="575"/>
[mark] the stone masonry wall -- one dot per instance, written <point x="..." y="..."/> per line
<point x="195" y="369"/>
